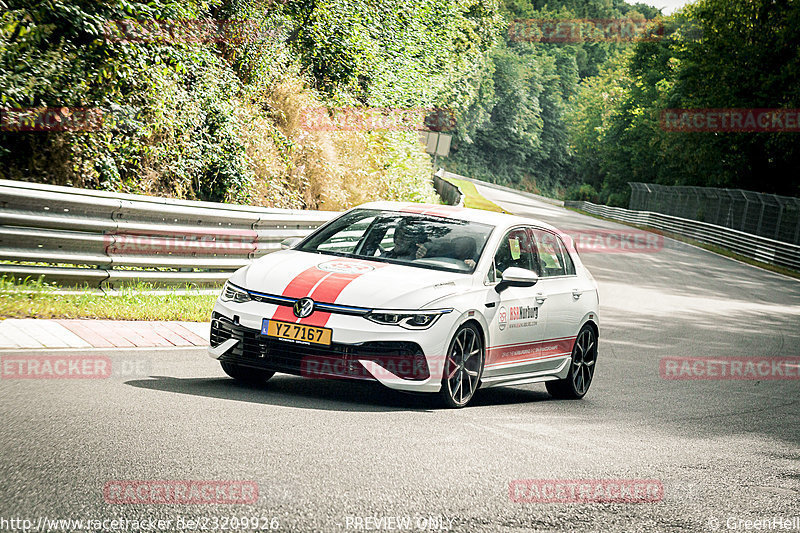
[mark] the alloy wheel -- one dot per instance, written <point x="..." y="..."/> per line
<point x="464" y="366"/>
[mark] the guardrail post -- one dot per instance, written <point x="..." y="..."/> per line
<point x="746" y="205"/>
<point x="778" y="222"/>
<point x="719" y="209"/>
<point x="797" y="231"/>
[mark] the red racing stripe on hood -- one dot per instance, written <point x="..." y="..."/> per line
<point x="299" y="287"/>
<point x="327" y="291"/>
<point x="323" y="286"/>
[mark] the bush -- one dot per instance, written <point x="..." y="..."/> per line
<point x="220" y="121"/>
<point x="582" y="193"/>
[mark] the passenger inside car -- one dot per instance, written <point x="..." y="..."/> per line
<point x="517" y="250"/>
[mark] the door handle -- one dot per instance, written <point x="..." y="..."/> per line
<point x="576" y="293"/>
<point x="540" y="298"/>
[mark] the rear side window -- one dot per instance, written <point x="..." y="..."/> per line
<point x="553" y="255"/>
<point x="515" y="250"/>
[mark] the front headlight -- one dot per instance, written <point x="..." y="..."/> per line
<point x="406" y="319"/>
<point x="232" y="293"/>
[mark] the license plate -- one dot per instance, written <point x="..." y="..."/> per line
<point x="296" y="332"/>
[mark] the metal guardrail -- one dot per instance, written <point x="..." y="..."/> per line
<point x="99" y="238"/>
<point x="746" y="244"/>
<point x="448" y="192"/>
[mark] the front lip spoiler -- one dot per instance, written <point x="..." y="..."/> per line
<point x="222" y="349"/>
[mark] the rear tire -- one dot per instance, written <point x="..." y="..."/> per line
<point x="463" y="367"/>
<point x="251" y="376"/>
<point x="581" y="371"/>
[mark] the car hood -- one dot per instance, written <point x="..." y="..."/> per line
<point x="346" y="281"/>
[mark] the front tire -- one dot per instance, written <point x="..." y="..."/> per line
<point x="463" y="367"/>
<point x="581" y="371"/>
<point x="251" y="376"/>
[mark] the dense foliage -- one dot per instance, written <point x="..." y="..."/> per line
<point x="225" y="118"/>
<point x="741" y="54"/>
<point x="220" y="116"/>
<point x="516" y="133"/>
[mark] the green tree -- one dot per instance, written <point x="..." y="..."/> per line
<point x="716" y="54"/>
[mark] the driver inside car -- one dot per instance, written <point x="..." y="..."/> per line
<point x="464" y="248"/>
<point x="407" y="242"/>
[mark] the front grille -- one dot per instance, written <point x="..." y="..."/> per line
<point x="319" y="306"/>
<point x="403" y="359"/>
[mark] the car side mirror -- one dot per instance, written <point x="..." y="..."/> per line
<point x="290" y="242"/>
<point x="517" y="277"/>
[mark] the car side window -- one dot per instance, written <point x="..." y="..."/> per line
<point x="569" y="265"/>
<point x="553" y="255"/>
<point x="515" y="250"/>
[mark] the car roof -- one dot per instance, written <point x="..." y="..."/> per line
<point x="460" y="213"/>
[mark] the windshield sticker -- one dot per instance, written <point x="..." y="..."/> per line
<point x="345" y="267"/>
<point x="515" y="250"/>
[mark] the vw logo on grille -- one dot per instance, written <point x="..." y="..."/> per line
<point x="303" y="307"/>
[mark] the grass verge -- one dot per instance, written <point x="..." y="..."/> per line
<point x="710" y="247"/>
<point x="472" y="198"/>
<point x="37" y="299"/>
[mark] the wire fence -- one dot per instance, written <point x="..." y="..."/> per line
<point x="767" y="215"/>
<point x="755" y="247"/>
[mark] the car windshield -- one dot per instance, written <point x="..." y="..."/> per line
<point x="410" y="239"/>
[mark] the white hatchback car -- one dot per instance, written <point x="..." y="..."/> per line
<point x="422" y="298"/>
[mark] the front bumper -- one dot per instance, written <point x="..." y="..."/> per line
<point x="360" y="350"/>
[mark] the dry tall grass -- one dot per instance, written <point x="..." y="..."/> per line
<point x="292" y="166"/>
<point x="299" y="167"/>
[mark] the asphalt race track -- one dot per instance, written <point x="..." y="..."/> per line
<point x="336" y="456"/>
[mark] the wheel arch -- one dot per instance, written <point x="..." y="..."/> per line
<point x="592" y="324"/>
<point x="480" y="329"/>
